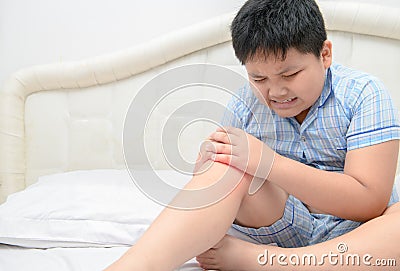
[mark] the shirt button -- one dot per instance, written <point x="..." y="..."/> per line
<point x="303" y="138"/>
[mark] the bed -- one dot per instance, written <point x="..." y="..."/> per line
<point x="66" y="160"/>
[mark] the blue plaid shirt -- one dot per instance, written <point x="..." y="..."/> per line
<point x="353" y="111"/>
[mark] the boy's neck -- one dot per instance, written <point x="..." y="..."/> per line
<point x="301" y="117"/>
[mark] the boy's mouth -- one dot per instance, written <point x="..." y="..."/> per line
<point x="287" y="101"/>
<point x="284" y="104"/>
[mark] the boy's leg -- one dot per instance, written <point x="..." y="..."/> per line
<point x="372" y="246"/>
<point x="177" y="235"/>
<point x="262" y="208"/>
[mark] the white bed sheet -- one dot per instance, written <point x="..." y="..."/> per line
<point x="13" y="258"/>
<point x="65" y="259"/>
<point x="31" y="241"/>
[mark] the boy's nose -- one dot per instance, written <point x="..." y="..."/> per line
<point x="277" y="92"/>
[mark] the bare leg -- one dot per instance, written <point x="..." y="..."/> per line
<point x="177" y="236"/>
<point x="258" y="210"/>
<point x="375" y="242"/>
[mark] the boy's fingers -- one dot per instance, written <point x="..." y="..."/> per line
<point x="231" y="160"/>
<point x="230" y="130"/>
<point x="208" y="148"/>
<point x="221" y="137"/>
<point x="225" y="128"/>
<point x="206" y="145"/>
<point x="222" y="158"/>
<point x="220" y="129"/>
<point x="223" y="148"/>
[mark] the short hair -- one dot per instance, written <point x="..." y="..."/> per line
<point x="274" y="26"/>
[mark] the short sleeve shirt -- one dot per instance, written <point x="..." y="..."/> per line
<point x="353" y="111"/>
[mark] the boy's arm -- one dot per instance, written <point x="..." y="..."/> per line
<point x="360" y="193"/>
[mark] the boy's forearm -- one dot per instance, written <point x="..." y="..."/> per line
<point x="330" y="192"/>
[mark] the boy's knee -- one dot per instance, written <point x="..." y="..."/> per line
<point x="220" y="176"/>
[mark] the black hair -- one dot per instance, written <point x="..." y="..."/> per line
<point x="274" y="26"/>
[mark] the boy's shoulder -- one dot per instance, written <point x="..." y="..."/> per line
<point x="351" y="86"/>
<point x="344" y="79"/>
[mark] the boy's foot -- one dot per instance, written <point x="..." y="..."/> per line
<point x="230" y="254"/>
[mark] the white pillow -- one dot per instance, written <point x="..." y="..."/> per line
<point x="80" y="209"/>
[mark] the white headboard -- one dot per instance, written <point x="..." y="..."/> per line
<point x="68" y="116"/>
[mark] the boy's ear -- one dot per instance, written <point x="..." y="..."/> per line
<point x="326" y="54"/>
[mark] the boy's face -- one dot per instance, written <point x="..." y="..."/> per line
<point x="291" y="86"/>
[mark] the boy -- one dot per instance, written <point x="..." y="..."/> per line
<point x="329" y="176"/>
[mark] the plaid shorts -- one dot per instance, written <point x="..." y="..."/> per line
<point x="298" y="227"/>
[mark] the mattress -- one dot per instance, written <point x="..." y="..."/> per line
<point x="65" y="259"/>
<point x="79" y="220"/>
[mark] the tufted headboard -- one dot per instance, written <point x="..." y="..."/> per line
<point x="69" y="116"/>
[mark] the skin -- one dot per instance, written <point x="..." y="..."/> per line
<point x="289" y="87"/>
<point x="299" y="76"/>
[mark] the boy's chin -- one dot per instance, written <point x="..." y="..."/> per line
<point x="294" y="113"/>
<point x="285" y="114"/>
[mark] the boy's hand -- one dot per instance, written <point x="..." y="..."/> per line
<point x="203" y="156"/>
<point x="235" y="147"/>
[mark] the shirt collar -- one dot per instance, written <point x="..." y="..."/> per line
<point x="326" y="91"/>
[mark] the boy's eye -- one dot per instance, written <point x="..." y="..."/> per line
<point x="290" y="75"/>
<point x="259" y="80"/>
